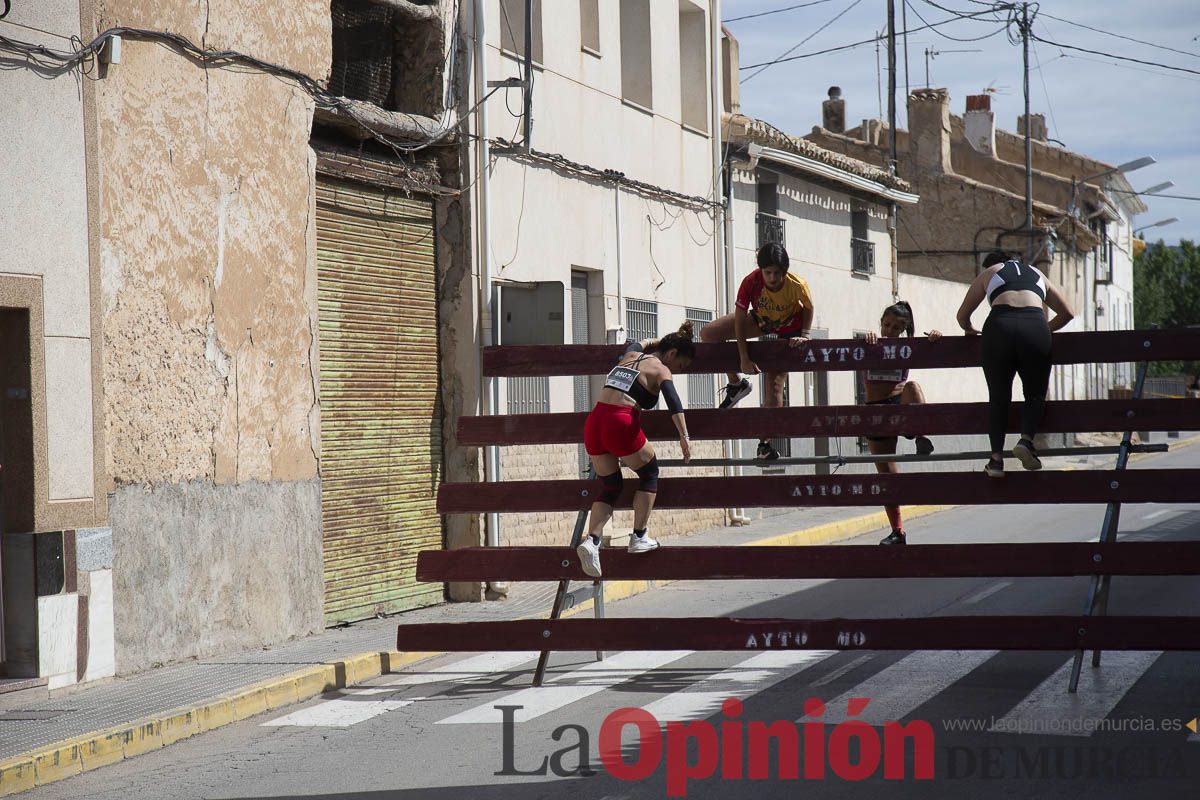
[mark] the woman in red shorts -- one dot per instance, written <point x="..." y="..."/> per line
<point x="613" y="432"/>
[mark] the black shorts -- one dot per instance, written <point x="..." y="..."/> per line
<point x="894" y="400"/>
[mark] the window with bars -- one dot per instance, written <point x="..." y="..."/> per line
<point x="1104" y="252"/>
<point x="529" y="395"/>
<point x="641" y="319"/>
<point x="702" y="388"/>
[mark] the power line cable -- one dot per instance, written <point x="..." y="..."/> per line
<point x="776" y="11"/>
<point x="802" y="41"/>
<point x="1121" y="36"/>
<point x="1126" y="66"/>
<point x="999" y="30"/>
<point x="851" y="46"/>
<point x="995" y="7"/>
<point x="49" y="63"/>
<point x="1113" y="55"/>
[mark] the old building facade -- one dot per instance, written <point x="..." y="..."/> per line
<point x="971" y="178"/>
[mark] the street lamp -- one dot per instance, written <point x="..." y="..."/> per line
<point x="1158" y="224"/>
<point x="1128" y="166"/>
<point x="1159" y="187"/>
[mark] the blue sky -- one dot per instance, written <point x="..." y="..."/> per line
<point x="1110" y="110"/>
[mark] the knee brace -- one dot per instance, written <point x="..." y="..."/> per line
<point x="648" y="475"/>
<point x="612" y="488"/>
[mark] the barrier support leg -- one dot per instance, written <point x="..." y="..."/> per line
<point x="1097" y="600"/>
<point x="564" y="599"/>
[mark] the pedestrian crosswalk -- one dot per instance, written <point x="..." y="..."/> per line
<point x="562" y="690"/>
<point x="1099" y="692"/>
<point x="895" y="692"/>
<point x="679" y="685"/>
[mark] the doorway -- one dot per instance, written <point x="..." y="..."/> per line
<point x="16" y="437"/>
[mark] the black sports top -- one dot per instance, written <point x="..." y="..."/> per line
<point x="624" y="378"/>
<point x="1014" y="276"/>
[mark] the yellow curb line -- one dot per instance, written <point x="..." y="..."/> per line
<point x="100" y="748"/>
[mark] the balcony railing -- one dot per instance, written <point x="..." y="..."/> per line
<point x="770" y="229"/>
<point x="862" y="252"/>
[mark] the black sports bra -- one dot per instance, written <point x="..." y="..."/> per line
<point x="624" y="378"/>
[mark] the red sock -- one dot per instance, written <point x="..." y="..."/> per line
<point x="893" y="515"/>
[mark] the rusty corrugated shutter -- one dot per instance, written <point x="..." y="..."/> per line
<point x="381" y="435"/>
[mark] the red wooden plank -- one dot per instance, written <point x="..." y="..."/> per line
<point x="849" y="354"/>
<point x="690" y="633"/>
<point x="823" y="561"/>
<point x="1073" y="416"/>
<point x="931" y="488"/>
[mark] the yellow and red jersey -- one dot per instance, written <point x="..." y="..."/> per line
<point x="777" y="312"/>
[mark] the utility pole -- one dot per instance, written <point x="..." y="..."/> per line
<point x="527" y="128"/>
<point x="892" y="85"/>
<point x="1029" y="254"/>
<point x="904" y="25"/>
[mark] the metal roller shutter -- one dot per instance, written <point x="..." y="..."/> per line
<point x="381" y="435"/>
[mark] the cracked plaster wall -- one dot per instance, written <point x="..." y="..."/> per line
<point x="208" y="272"/>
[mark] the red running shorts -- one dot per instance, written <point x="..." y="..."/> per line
<point x="613" y="429"/>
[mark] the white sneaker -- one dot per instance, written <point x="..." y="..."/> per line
<point x="589" y="556"/>
<point x="642" y="544"/>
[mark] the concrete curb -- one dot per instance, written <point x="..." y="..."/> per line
<point x="100" y="748"/>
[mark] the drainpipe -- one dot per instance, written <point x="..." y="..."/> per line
<point x="487" y="321"/>
<point x="723" y="229"/>
<point x="619" y="331"/>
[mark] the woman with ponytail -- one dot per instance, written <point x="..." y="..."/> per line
<point x="892" y="387"/>
<point x="613" y="431"/>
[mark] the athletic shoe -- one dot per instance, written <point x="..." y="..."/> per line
<point x="766" y="452"/>
<point x="895" y="537"/>
<point x="734" y="392"/>
<point x="642" y="544"/>
<point x="924" y="446"/>
<point x="994" y="468"/>
<point x="1027" y="455"/>
<point x="589" y="556"/>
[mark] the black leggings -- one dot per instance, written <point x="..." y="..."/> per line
<point x="1015" y="341"/>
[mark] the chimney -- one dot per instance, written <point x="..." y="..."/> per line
<point x="871" y="129"/>
<point x="979" y="124"/>
<point x="929" y="130"/>
<point x="1037" y="130"/>
<point x="833" y="111"/>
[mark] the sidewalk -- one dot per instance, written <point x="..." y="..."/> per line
<point x="74" y="731"/>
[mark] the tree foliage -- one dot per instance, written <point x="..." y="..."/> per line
<point x="1166" y="293"/>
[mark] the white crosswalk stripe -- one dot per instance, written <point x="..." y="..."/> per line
<point x="339" y="713"/>
<point x="897" y="691"/>
<point x="1050" y="709"/>
<point x="347" y="710"/>
<point x="562" y="690"/>
<point x="753" y="675"/>
<point x="467" y="669"/>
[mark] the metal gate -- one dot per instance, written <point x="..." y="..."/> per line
<point x="381" y="435"/>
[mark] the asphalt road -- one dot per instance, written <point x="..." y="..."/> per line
<point x="982" y="724"/>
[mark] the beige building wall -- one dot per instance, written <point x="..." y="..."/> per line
<point x="208" y="275"/>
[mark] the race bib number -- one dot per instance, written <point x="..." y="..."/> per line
<point x="885" y="375"/>
<point x="621" y="378"/>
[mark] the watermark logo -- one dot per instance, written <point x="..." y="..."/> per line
<point x="734" y="749"/>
